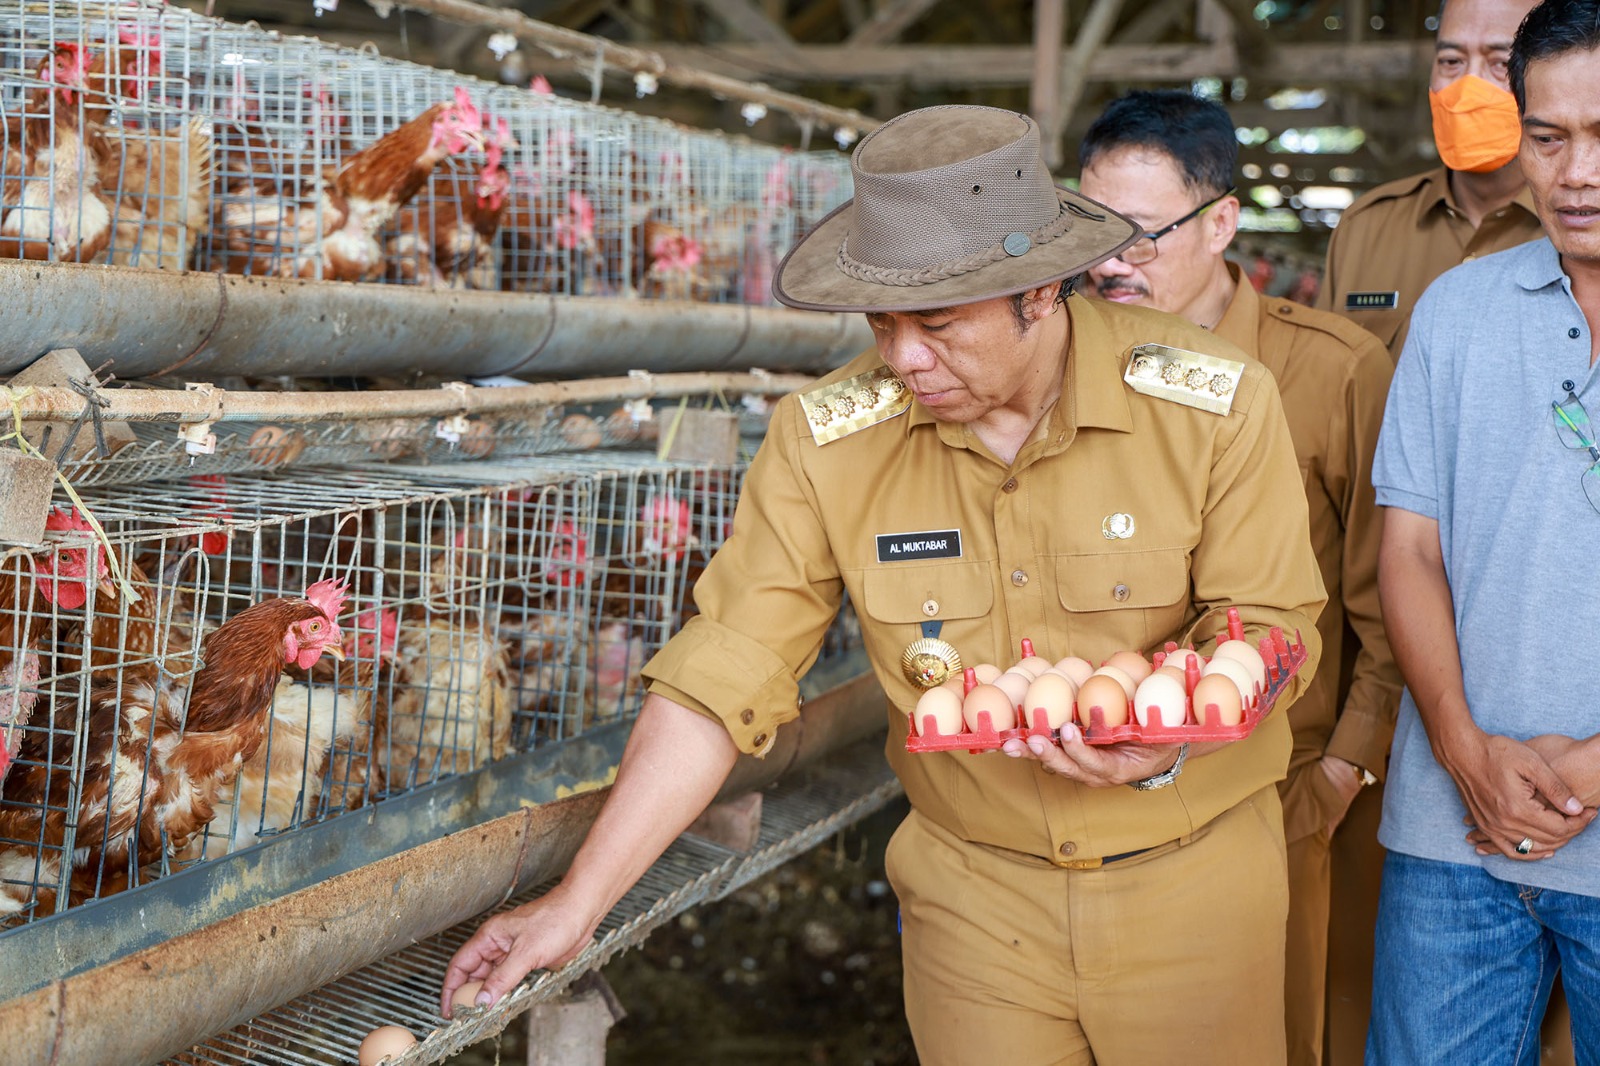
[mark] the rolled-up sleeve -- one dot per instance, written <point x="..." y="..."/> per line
<point x="765" y="600"/>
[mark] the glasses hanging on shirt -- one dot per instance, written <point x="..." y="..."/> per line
<point x="1577" y="433"/>
<point x="1144" y="249"/>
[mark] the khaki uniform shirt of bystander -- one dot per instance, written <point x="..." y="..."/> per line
<point x="1392" y="242"/>
<point x="1334" y="378"/>
<point x="1129" y="520"/>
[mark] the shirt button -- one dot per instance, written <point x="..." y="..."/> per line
<point x="1119" y="592"/>
<point x="760" y="740"/>
<point x="1569" y="386"/>
<point x="747" y="716"/>
<point x="1019" y="578"/>
<point x="930" y="607"/>
<point x="1010" y="485"/>
<point x="1068" y="848"/>
<point x="1574" y="332"/>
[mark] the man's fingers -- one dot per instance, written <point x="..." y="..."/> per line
<point x="1554" y="791"/>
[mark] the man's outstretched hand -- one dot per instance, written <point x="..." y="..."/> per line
<point x="543" y="934"/>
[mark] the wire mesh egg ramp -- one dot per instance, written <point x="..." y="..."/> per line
<point x="227" y="148"/>
<point x="498" y="615"/>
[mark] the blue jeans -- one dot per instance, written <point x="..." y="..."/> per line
<point x="1465" y="962"/>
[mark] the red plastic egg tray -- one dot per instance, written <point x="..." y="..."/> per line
<point x="1283" y="660"/>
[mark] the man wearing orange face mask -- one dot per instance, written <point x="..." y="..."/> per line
<point x="1396" y="239"/>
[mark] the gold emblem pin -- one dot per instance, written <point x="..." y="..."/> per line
<point x="1117" y="526"/>
<point x="929" y="663"/>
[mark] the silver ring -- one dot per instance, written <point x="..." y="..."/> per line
<point x="1526" y="846"/>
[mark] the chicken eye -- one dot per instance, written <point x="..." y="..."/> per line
<point x="316" y="627"/>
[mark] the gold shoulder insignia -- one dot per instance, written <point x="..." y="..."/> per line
<point x="1190" y="378"/>
<point x="838" y="410"/>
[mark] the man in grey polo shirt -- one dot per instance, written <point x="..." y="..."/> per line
<point x="1490" y="472"/>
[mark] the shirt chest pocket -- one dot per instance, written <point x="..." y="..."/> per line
<point x="1122" y="600"/>
<point x="899" y="600"/>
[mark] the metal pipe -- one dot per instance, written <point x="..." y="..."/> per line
<point x="564" y="43"/>
<point x="205" y="403"/>
<point x="154" y="322"/>
<point x="240" y="966"/>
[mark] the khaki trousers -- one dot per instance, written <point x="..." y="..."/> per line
<point x="1173" y="955"/>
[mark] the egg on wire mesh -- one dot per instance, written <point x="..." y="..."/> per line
<point x="385" y="1042"/>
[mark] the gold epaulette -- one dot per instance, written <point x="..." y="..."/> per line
<point x="838" y="410"/>
<point x="1190" y="378"/>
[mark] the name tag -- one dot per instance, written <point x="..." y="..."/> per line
<point x="933" y="544"/>
<point x="1372" y="301"/>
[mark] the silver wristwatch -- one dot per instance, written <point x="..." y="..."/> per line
<point x="1165" y="777"/>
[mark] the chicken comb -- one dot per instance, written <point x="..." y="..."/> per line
<point x="328" y="597"/>
<point x="67" y="519"/>
<point x="469" y="111"/>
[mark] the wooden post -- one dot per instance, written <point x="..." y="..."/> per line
<point x="1044" y="101"/>
<point x="571" y="1029"/>
<point x="1075" y="72"/>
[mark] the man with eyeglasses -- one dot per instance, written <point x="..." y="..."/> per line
<point x="1487" y="468"/>
<point x="1396" y="239"/>
<point x="1155" y="156"/>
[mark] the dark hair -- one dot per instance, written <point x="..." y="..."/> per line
<point x="1553" y="28"/>
<point x="1198" y="135"/>
<point x="1064" y="289"/>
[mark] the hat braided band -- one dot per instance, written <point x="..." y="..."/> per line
<point x="853" y="267"/>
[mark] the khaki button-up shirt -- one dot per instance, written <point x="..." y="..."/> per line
<point x="1334" y="378"/>
<point x="1399" y="237"/>
<point x="1216" y="518"/>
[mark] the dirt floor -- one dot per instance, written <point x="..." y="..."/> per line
<point x="802" y="966"/>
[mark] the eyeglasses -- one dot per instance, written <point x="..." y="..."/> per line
<point x="1144" y="249"/>
<point x="1573" y="427"/>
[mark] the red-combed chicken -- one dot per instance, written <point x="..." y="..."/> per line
<point x="52" y="205"/>
<point x="316" y="713"/>
<point x="336" y="238"/>
<point x="449" y="238"/>
<point x="27" y="594"/>
<point x="161" y="753"/>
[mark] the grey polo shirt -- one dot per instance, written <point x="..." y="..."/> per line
<point x="1468" y="440"/>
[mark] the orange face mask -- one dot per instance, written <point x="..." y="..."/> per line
<point x="1475" y="124"/>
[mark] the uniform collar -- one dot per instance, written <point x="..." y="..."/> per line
<point x="1241" y="322"/>
<point x="1092" y="390"/>
<point x="1435" y="193"/>
<point x="1538" y="265"/>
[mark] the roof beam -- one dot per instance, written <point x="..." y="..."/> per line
<point x="888" y="23"/>
<point x="749" y="22"/>
<point x="1370" y="62"/>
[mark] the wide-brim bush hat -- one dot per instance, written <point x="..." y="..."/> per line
<point x="952" y="205"/>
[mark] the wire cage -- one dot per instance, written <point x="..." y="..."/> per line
<point x="492" y="608"/>
<point x="146" y="135"/>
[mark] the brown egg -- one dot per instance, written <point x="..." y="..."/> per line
<point x="1052" y="693"/>
<point x="1107" y="693"/>
<point x="1014" y="683"/>
<point x="1002" y="713"/>
<point x="1121" y="677"/>
<point x="986" y="673"/>
<point x="580" y="431"/>
<point x="1242" y="652"/>
<point x="465" y="997"/>
<point x="1233" y="669"/>
<point x="1076" y="668"/>
<point x="1160" y="700"/>
<point x="944" y="704"/>
<point x="1131" y="663"/>
<point x="1218" y="690"/>
<point x="385" y="1042"/>
<point x="1033" y="665"/>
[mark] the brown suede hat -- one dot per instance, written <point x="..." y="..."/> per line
<point x="953" y="205"/>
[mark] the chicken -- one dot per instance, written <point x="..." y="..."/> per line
<point x="313" y="711"/>
<point x="57" y="580"/>
<point x="160" y="752"/>
<point x="52" y="205"/>
<point x="450" y="710"/>
<point x="450" y="237"/>
<point x="336" y="237"/>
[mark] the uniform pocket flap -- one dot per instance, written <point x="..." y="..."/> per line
<point x="1107" y="581"/>
<point x="914" y="594"/>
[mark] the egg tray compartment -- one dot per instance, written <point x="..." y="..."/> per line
<point x="1283" y="661"/>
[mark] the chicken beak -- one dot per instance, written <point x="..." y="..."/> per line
<point x="334" y="650"/>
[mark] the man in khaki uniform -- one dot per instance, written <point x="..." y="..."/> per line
<point x="1160" y="156"/>
<point x="986" y="475"/>
<point x="1392" y="243"/>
